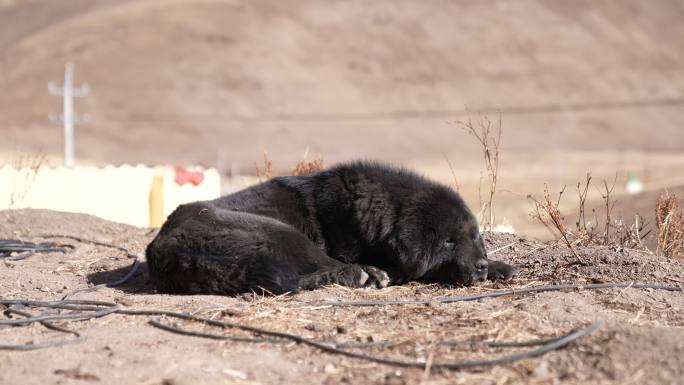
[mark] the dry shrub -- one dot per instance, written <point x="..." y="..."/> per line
<point x="670" y="223"/>
<point x="488" y="134"/>
<point x="306" y="166"/>
<point x="616" y="232"/>
<point x="546" y="211"/>
<point x="583" y="227"/>
<point x="303" y="167"/>
<point x="267" y="171"/>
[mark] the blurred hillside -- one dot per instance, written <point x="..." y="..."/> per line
<point x="581" y="86"/>
<point x="205" y="81"/>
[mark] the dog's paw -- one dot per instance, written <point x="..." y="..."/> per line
<point x="501" y="271"/>
<point x="374" y="277"/>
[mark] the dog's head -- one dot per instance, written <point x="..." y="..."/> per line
<point x="458" y="254"/>
<point x="462" y="257"/>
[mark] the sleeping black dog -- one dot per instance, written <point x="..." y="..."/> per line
<point x="358" y="224"/>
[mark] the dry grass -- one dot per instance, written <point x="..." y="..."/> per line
<point x="670" y="223"/>
<point x="410" y="331"/>
<point x="308" y="166"/>
<point x="267" y="171"/>
<point x="28" y="166"/>
<point x="305" y="166"/>
<point x="546" y="211"/>
<point x="488" y="134"/>
<point x="453" y="173"/>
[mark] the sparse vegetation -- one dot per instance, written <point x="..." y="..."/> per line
<point x="605" y="194"/>
<point x="28" y="166"/>
<point x="488" y="134"/>
<point x="586" y="229"/>
<point x="453" y="173"/>
<point x="267" y="171"/>
<point x="547" y="212"/>
<point x="586" y="232"/>
<point x="304" y="167"/>
<point x="670" y="223"/>
<point x="308" y="166"/>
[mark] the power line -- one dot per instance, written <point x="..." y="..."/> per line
<point x="403" y="114"/>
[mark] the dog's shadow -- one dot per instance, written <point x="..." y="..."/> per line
<point x="138" y="283"/>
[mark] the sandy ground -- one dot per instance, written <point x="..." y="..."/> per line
<point x="641" y="342"/>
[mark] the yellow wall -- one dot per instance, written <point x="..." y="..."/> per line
<point x="122" y="194"/>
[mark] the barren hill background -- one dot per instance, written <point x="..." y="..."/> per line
<point x="580" y="85"/>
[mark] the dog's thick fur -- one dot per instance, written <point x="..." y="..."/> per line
<point x="356" y="225"/>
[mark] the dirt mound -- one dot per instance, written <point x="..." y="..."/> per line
<point x="641" y="341"/>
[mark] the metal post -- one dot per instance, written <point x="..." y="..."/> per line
<point x="68" y="118"/>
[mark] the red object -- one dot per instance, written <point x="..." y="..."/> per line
<point x="184" y="176"/>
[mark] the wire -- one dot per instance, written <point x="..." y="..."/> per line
<point x="498" y="293"/>
<point x="135" y="266"/>
<point x="42" y="345"/>
<point x="404" y="114"/>
<point x="27" y="249"/>
<point x="53" y="317"/>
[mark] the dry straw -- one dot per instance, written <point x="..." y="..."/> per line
<point x="307" y="166"/>
<point x="670" y="222"/>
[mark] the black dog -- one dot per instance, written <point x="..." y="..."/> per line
<point x="356" y="225"/>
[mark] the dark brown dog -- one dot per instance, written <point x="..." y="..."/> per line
<point x="357" y="224"/>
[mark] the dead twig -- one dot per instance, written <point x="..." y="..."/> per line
<point x="501" y="248"/>
<point x="488" y="136"/>
<point x="453" y="173"/>
<point x="606" y="195"/>
<point x="547" y="212"/>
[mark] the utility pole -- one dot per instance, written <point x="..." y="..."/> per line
<point x="67" y="92"/>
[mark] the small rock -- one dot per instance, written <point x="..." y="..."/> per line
<point x="541" y="371"/>
<point x="311" y="327"/>
<point x="329" y="369"/>
<point x="123" y="301"/>
<point x="116" y="363"/>
<point x="394" y="379"/>
<point x="235" y="373"/>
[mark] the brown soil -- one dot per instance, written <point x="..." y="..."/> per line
<point x="642" y="341"/>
